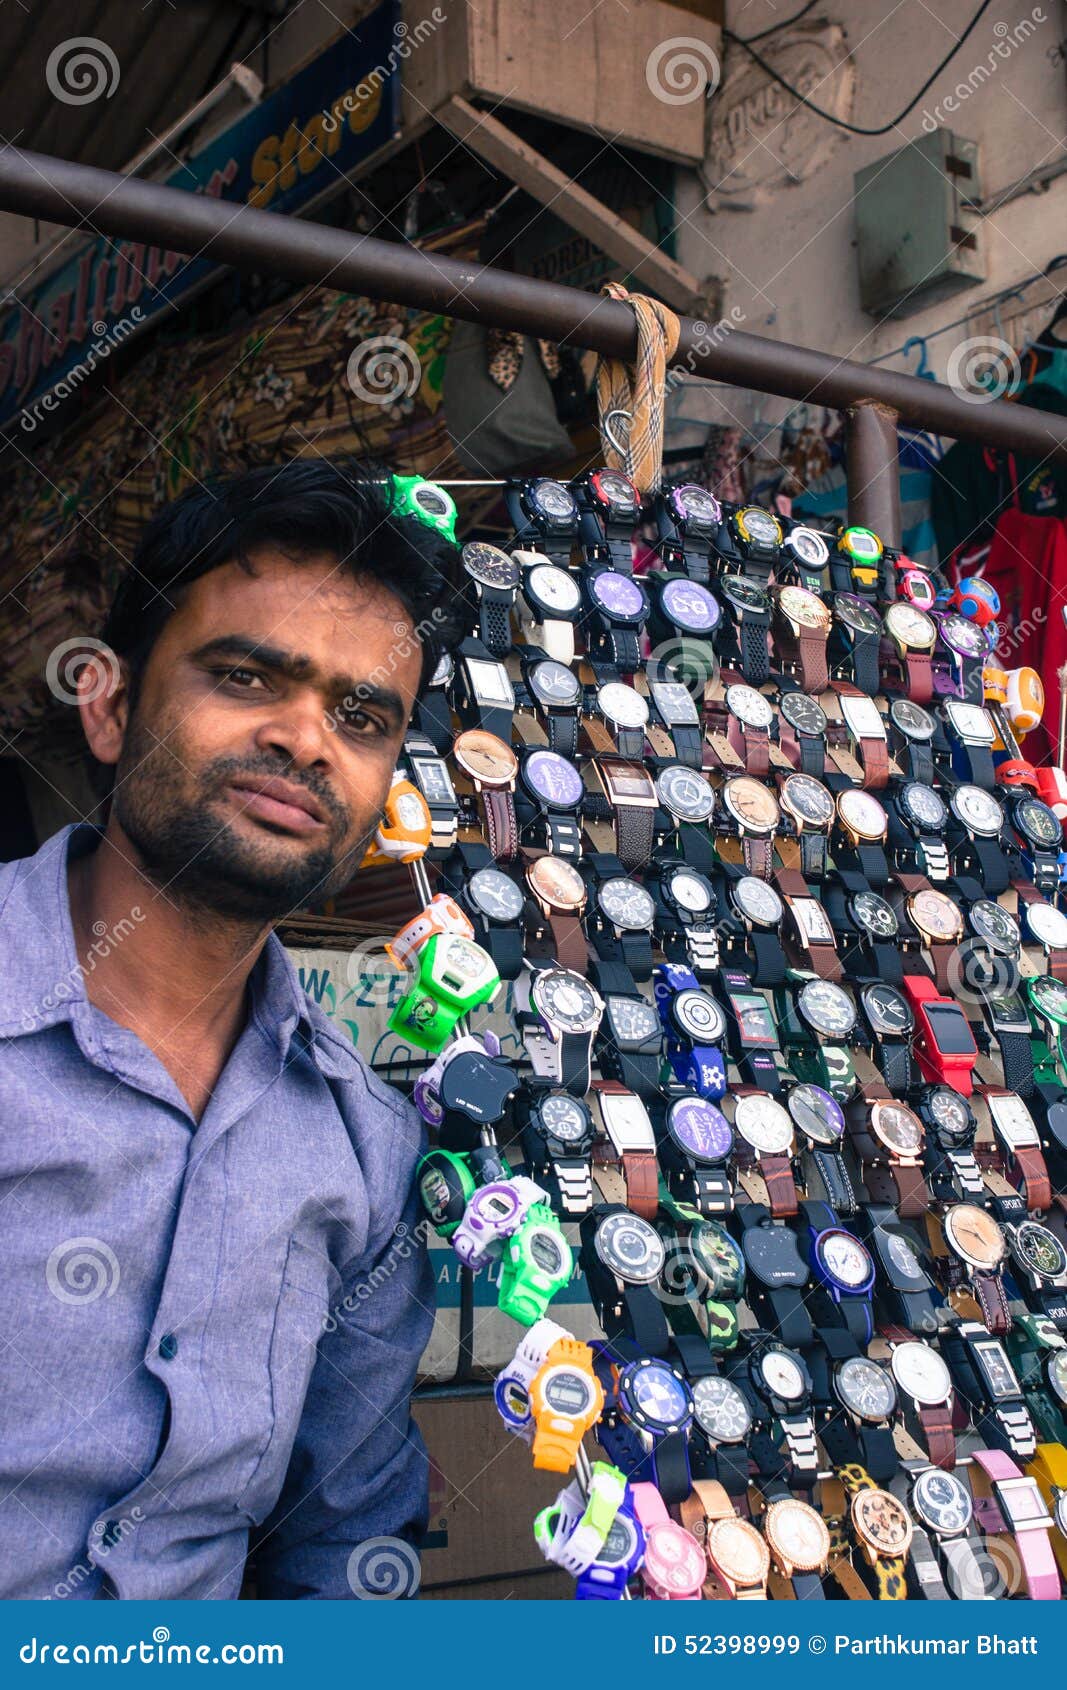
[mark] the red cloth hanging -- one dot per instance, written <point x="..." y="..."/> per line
<point x="1027" y="565"/>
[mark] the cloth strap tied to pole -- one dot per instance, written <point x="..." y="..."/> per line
<point x="638" y="390"/>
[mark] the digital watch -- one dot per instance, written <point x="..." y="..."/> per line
<point x="454" y="976"/>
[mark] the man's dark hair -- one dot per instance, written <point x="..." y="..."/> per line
<point x="342" y="506"/>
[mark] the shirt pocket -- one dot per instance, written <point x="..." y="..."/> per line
<point x="299" y="1322"/>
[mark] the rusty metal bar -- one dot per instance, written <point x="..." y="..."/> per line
<point x="871" y="456"/>
<point x="77" y="194"/>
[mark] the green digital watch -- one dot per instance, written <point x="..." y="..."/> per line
<point x="537" y="1262"/>
<point x="445" y="1185"/>
<point x="454" y="976"/>
<point x="415" y="496"/>
<point x="573" y="1530"/>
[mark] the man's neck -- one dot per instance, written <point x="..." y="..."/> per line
<point x="151" y="962"/>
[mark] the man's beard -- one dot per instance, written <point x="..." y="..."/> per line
<point x="191" y="849"/>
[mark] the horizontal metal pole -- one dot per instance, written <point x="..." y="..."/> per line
<point x="264" y="241"/>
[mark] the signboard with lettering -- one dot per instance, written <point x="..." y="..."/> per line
<point x="290" y="149"/>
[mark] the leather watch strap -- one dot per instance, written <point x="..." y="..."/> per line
<point x="919" y="670"/>
<point x="992" y="1299"/>
<point x="811" y="654"/>
<point x="936" y="1422"/>
<point x="641" y="1173"/>
<point x="501" y="826"/>
<point x="634" y="833"/>
<point x="569" y="941"/>
<point x="777" y="1172"/>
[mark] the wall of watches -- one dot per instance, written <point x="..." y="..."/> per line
<point x="754" y="840"/>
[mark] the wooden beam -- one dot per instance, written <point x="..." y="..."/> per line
<point x="531" y="171"/>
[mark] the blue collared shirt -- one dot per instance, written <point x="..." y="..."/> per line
<point x="208" y="1330"/>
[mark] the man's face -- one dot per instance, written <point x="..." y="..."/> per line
<point x="298" y="673"/>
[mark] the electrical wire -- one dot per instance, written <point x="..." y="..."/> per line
<point x="839" y="122"/>
<point x="773" y="29"/>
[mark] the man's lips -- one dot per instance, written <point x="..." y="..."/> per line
<point x="282" y="803"/>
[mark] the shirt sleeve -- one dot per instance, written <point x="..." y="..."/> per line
<point x="354" y="1504"/>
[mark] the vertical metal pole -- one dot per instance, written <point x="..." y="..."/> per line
<point x="873" y="472"/>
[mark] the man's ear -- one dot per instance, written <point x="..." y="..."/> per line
<point x="103" y="703"/>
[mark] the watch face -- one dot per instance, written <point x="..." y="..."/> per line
<point x="569" y="1392"/>
<point x="700" y="1128"/>
<point x="622" y="705"/>
<point x="803" y="713"/>
<point x="914" y="722"/>
<point x="691" y="606"/>
<point x="721" y="1411"/>
<point x="632" y="1020"/>
<point x="444" y="670"/>
<point x="553" y="779"/>
<point x="745" y="595"/>
<point x="551" y="498"/>
<point x="749" y="706"/>
<point x="970" y="722"/>
<point x="1049" y="995"/>
<point x="861" y="544"/>
<point x="1038" y="823"/>
<point x="617" y="490"/>
<point x="975" y="1236"/>
<point x="558" y="883"/>
<point x="807" y="798"/>
<point x="1048" y="925"/>
<point x="619" y="595"/>
<point x="797" y="1533"/>
<point x="758" y="902"/>
<point x="764" y="1124"/>
<point x="1039" y="1249"/>
<point x="564" y="1117"/>
<point x="964" y="637"/>
<point x="631" y="1248"/>
<point x="566" y="1000"/>
<point x="866" y="1388"/>
<point x="485" y="757"/>
<point x="431" y="777"/>
<point x="627" y="782"/>
<point x="752" y="806"/>
<point x="921" y="1373"/>
<point x="874" y="915"/>
<point x="942" y="1502"/>
<point x="687" y="795"/>
<point x="781" y="1375"/>
<point x="935" y="915"/>
<point x="803" y="607"/>
<point x="809" y="547"/>
<point x="883" y="1521"/>
<point x="755" y="1024"/>
<point x="759" y="525"/>
<point x="863" y="717"/>
<point x="951" y="1113"/>
<point x="977" y="810"/>
<point x="490" y="682"/>
<point x="461" y="960"/>
<point x="816" y="1114"/>
<point x="862" y="814"/>
<point x="553" y="683"/>
<point x="903" y="1257"/>
<point x="828" y="1009"/>
<point x="994" y="924"/>
<point x="949" y="1029"/>
<point x="489" y="565"/>
<point x="857" y="614"/>
<point x="846" y="1259"/>
<point x="996" y="1369"/>
<point x="627" y="904"/>
<point x="698" y="1014"/>
<point x="910" y="625"/>
<point x="657" y="1390"/>
<point x="922" y="807"/>
<point x="887" y="1010"/>
<point x="737" y="1550"/>
<point x="812" y="921"/>
<point x="691" y="503"/>
<point x="554" y="587"/>
<point x="898" y="1128"/>
<point x="1056" y="1373"/>
<point x="675" y="704"/>
<point x="690" y="891"/>
<point x="495" y="895"/>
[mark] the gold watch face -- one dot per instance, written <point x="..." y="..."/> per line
<point x="797" y="1533"/>
<point x="485" y="758"/>
<point x="975" y="1236"/>
<point x="752" y="806"/>
<point x="936" y="916"/>
<point x="862" y="814"/>
<point x="627" y="783"/>
<point x="882" y="1521"/>
<point x="803" y="607"/>
<point x="738" y="1551"/>
<point x="898" y="1128"/>
<point x="557" y="882"/>
<point x="911" y="626"/>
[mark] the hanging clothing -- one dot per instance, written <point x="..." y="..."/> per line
<point x="1027" y="564"/>
<point x="974" y="483"/>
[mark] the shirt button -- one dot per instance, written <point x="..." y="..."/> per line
<point x="168" y="1346"/>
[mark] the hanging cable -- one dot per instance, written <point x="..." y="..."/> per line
<point x="774" y="28"/>
<point x="839" y="122"/>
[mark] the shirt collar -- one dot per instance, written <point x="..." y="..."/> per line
<point x="44" y="983"/>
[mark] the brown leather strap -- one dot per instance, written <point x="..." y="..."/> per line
<point x="641" y="1173"/>
<point x="599" y="735"/>
<point x="848" y="1579"/>
<point x="992" y="1299"/>
<point x="913" y="1199"/>
<point x="936" y="1422"/>
<point x="501" y="827"/>
<point x="777" y="1172"/>
<point x="941" y="957"/>
<point x="758" y="856"/>
<point x="661" y="742"/>
<point x="919" y="669"/>
<point x="1030" y="1164"/>
<point x="821" y="955"/>
<point x="571" y="945"/>
<point x="874" y="756"/>
<point x="811" y="653"/>
<point x="752" y="745"/>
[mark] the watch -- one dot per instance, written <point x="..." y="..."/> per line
<point x="688" y="518"/>
<point x="778" y="1376"/>
<point x="748" y="719"/>
<point x="619" y="916"/>
<point x="628" y="1040"/>
<point x="819" y="1118"/>
<point x="811" y="937"/>
<point x="889" y="1139"/>
<point x="1024" y="1516"/>
<point x="618" y="725"/>
<point x="494" y="1212"/>
<point x="777" y="1276"/>
<point x="617" y="608"/>
<point x="695" y="1143"/>
<point x="924" y="1384"/>
<point x="748" y="611"/>
<point x="609" y="509"/>
<point x="559" y="892"/>
<point x="810" y="808"/>
<point x="858" y="841"/>
<point x="1040" y="836"/>
<point x="951" y="1126"/>
<point x="967" y="647"/>
<point x="573" y="1530"/>
<point x="975" y="825"/>
<point x="631" y="793"/>
<point x="977" y="1250"/>
<point x="802" y="625"/>
<point x="536" y="1264"/>
<point x="972" y="735"/>
<point x="912" y="729"/>
<point x="944" y="1044"/>
<point x="917" y="819"/>
<point x="556" y="694"/>
<point x="549" y="797"/>
<point x="737" y="1554"/>
<point x="622" y="1257"/>
<point x="490" y="765"/>
<point x="674" y="710"/>
<point x="566" y="1398"/>
<point x="1046" y="925"/>
<point x="843" y="1271"/>
<point x="904" y="1291"/>
<point x="1016" y="1134"/>
<point x="948" y="1562"/>
<point x="683" y="616"/>
<point x="755" y="815"/>
<point x="855" y="640"/>
<point x="654" y="1404"/>
<point x="751" y="1032"/>
<point x="722" y="1418"/>
<point x="554" y="599"/>
<point x="695" y="1028"/>
<point x="674" y="1566"/>
<point x="856" y="1400"/>
<point x="912" y="635"/>
<point x="483" y="694"/>
<point x="627" y="1128"/>
<point x="889" y="1023"/>
<point x="751" y="913"/>
<point x="558" y="1026"/>
<point x="557" y="1137"/>
<point x="882" y="1529"/>
<point x="685" y="916"/>
<point x="987" y="1381"/>
<point x="798" y="1539"/>
<point x="496" y="578"/>
<point x="805" y="742"/>
<point x="865" y="726"/>
<point x="453" y="976"/>
<point x="805" y="558"/>
<point x="492" y="900"/>
<point x="757" y="537"/>
<point x="429" y="771"/>
<point x="544" y="516"/>
<point x="855" y="562"/>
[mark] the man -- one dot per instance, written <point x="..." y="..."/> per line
<point x="215" y="1295"/>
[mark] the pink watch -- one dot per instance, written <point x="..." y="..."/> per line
<point x="675" y="1566"/>
<point x="1023" y="1513"/>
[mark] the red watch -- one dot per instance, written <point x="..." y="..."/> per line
<point x="944" y="1043"/>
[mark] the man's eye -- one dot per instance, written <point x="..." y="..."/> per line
<point x="360" y="723"/>
<point x="241" y="677"/>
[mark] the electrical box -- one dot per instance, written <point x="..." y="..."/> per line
<point x="917" y="241"/>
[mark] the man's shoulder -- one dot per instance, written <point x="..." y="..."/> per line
<point x="382" y="1105"/>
